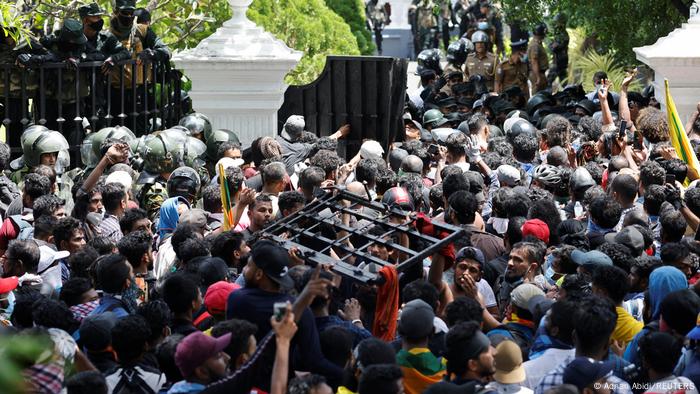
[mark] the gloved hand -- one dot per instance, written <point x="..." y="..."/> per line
<point x="27" y="59"/>
<point x="107" y="65"/>
<point x="473" y="150"/>
<point x="147" y="54"/>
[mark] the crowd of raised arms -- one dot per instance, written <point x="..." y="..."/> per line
<point x="148" y="269"/>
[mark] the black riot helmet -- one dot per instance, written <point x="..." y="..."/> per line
<point x="429" y="59"/>
<point x="457" y="51"/>
<point x="184" y="182"/>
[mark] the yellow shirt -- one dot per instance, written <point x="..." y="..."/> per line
<point x="627" y="326"/>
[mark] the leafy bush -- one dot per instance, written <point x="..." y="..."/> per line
<point x="585" y="66"/>
<point x="309" y="26"/>
<point x="353" y="12"/>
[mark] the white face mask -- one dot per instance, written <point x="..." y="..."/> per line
<point x="500" y="225"/>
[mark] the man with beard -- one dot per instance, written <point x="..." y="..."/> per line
<point x="524" y="264"/>
<point x="469" y="354"/>
<point x="260" y="213"/>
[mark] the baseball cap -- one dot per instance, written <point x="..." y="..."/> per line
<point x="217" y="295"/>
<point x="8" y="284"/>
<point x="472" y="253"/>
<point x="508" y="175"/>
<point x="196" y="349"/>
<point x="508" y="361"/>
<point x="196" y="217"/>
<point x="416" y="319"/>
<point x="96" y="331"/>
<point x="536" y="228"/>
<point x="121" y="177"/>
<point x="630" y="237"/>
<point x="293" y="127"/>
<point x="593" y="257"/>
<point x="583" y="371"/>
<point x="521" y="295"/>
<point x="47" y="256"/>
<point x="371" y="150"/>
<point x="693" y="334"/>
<point x="273" y="260"/>
<point x="212" y="270"/>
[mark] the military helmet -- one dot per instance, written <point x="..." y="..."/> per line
<point x="429" y="59"/>
<point x="198" y="125"/>
<point x="40" y="142"/>
<point x="125" y="5"/>
<point x="540" y="29"/>
<point x="87" y="154"/>
<point x="184" y="181"/>
<point x="159" y="153"/>
<point x="115" y="133"/>
<point x="216" y="138"/>
<point x="193" y="151"/>
<point x="176" y="136"/>
<point x="433" y="118"/>
<point x="480" y="36"/>
<point x="31" y="130"/>
<point x="457" y="51"/>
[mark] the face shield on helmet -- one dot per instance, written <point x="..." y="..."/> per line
<point x="185" y="182"/>
<point x="62" y="162"/>
<point x="193" y="152"/>
<point x="87" y="154"/>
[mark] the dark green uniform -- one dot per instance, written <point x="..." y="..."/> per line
<point x="560" y="55"/>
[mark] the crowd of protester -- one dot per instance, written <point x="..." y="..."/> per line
<point x="575" y="271"/>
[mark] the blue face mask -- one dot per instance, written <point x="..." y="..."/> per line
<point x="10" y="304"/>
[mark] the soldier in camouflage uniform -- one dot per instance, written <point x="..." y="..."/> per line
<point x="538" y="59"/>
<point x="482" y="62"/>
<point x="160" y="157"/>
<point x="10" y="53"/>
<point x="560" y="51"/>
<point x="426" y="24"/>
<point x="377" y="18"/>
<point x="142" y="43"/>
<point x="513" y="71"/>
<point x="101" y="46"/>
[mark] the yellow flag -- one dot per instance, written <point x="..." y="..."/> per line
<point x="225" y="200"/>
<point x="679" y="139"/>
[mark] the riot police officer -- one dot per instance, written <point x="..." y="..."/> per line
<point x="482" y="62"/>
<point x="377" y="17"/>
<point x="538" y="59"/>
<point x="160" y="158"/>
<point x="217" y="138"/>
<point x="560" y="51"/>
<point x="513" y="71"/>
<point x="426" y="23"/>
<point x="457" y="54"/>
<point x="198" y="125"/>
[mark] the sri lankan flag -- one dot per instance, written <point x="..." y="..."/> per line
<point x="420" y="368"/>
<point x="679" y="139"/>
<point x="225" y="200"/>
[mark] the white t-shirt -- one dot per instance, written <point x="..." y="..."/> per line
<point x="486" y="293"/>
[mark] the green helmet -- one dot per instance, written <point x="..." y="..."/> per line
<point x="185" y="182"/>
<point x="115" y="133"/>
<point x="216" y="138"/>
<point x="193" y="151"/>
<point x="433" y="118"/>
<point x="87" y="154"/>
<point x="159" y="153"/>
<point x="198" y="125"/>
<point x="176" y="135"/>
<point x="31" y="129"/>
<point x="37" y="143"/>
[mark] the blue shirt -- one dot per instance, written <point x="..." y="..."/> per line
<point x="324" y="322"/>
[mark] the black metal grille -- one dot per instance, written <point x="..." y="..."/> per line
<point x="306" y="223"/>
<point x="59" y="96"/>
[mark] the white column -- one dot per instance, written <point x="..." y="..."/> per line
<point x="677" y="58"/>
<point x="238" y="74"/>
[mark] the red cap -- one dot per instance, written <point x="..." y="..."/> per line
<point x="196" y="349"/>
<point x="8" y="284"/>
<point x="217" y="295"/>
<point x="537" y="228"/>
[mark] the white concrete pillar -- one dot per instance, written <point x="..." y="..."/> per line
<point x="677" y="58"/>
<point x="238" y="74"/>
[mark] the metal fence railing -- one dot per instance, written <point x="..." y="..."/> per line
<point x="67" y="97"/>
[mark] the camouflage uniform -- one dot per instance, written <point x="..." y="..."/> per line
<point x="482" y="65"/>
<point x="377" y="17"/>
<point x="152" y="195"/>
<point x="537" y="54"/>
<point x="426" y="26"/>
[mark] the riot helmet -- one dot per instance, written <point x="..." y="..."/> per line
<point x="184" y="182"/>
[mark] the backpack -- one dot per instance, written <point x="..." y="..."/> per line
<point x="522" y="339"/>
<point x="26" y="230"/>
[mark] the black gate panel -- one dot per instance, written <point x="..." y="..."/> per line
<point x="367" y="92"/>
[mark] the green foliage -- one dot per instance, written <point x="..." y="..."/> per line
<point x="585" y="66"/>
<point x="16" y="353"/>
<point x="306" y="25"/>
<point x="309" y="26"/>
<point x="619" y="26"/>
<point x="353" y="12"/>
